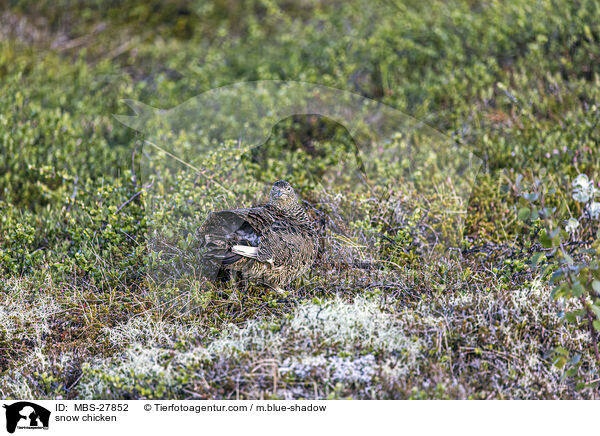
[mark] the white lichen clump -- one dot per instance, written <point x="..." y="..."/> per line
<point x="149" y="332"/>
<point x="583" y="189"/>
<point x="23" y="314"/>
<point x="336" y="325"/>
<point x="335" y="368"/>
<point x="361" y="323"/>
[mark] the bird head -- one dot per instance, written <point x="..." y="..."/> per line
<point x="282" y="195"/>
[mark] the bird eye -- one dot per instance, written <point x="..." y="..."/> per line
<point x="289" y="188"/>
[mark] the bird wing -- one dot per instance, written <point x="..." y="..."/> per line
<point x="284" y="243"/>
<point x="224" y="230"/>
<point x="259" y="218"/>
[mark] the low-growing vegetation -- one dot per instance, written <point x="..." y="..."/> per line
<point x="101" y="293"/>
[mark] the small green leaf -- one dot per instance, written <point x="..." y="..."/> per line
<point x="560" y="362"/>
<point x="556" y="275"/>
<point x="568" y="258"/>
<point x="575" y="359"/>
<point x="536" y="258"/>
<point x="524" y="213"/>
<point x="596" y="310"/>
<point x="545" y="240"/>
<point x="578" y="289"/>
<point x="561" y="351"/>
<point x="570" y="316"/>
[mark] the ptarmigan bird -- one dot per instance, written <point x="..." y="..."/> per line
<point x="271" y="244"/>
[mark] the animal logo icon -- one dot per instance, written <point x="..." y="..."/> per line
<point x="25" y="414"/>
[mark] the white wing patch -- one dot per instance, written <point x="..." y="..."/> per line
<point x="244" y="250"/>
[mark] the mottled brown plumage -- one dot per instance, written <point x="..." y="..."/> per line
<point x="271" y="244"/>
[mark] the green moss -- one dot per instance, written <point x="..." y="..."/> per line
<point x="514" y="82"/>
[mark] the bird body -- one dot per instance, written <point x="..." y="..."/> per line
<point x="271" y="244"/>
